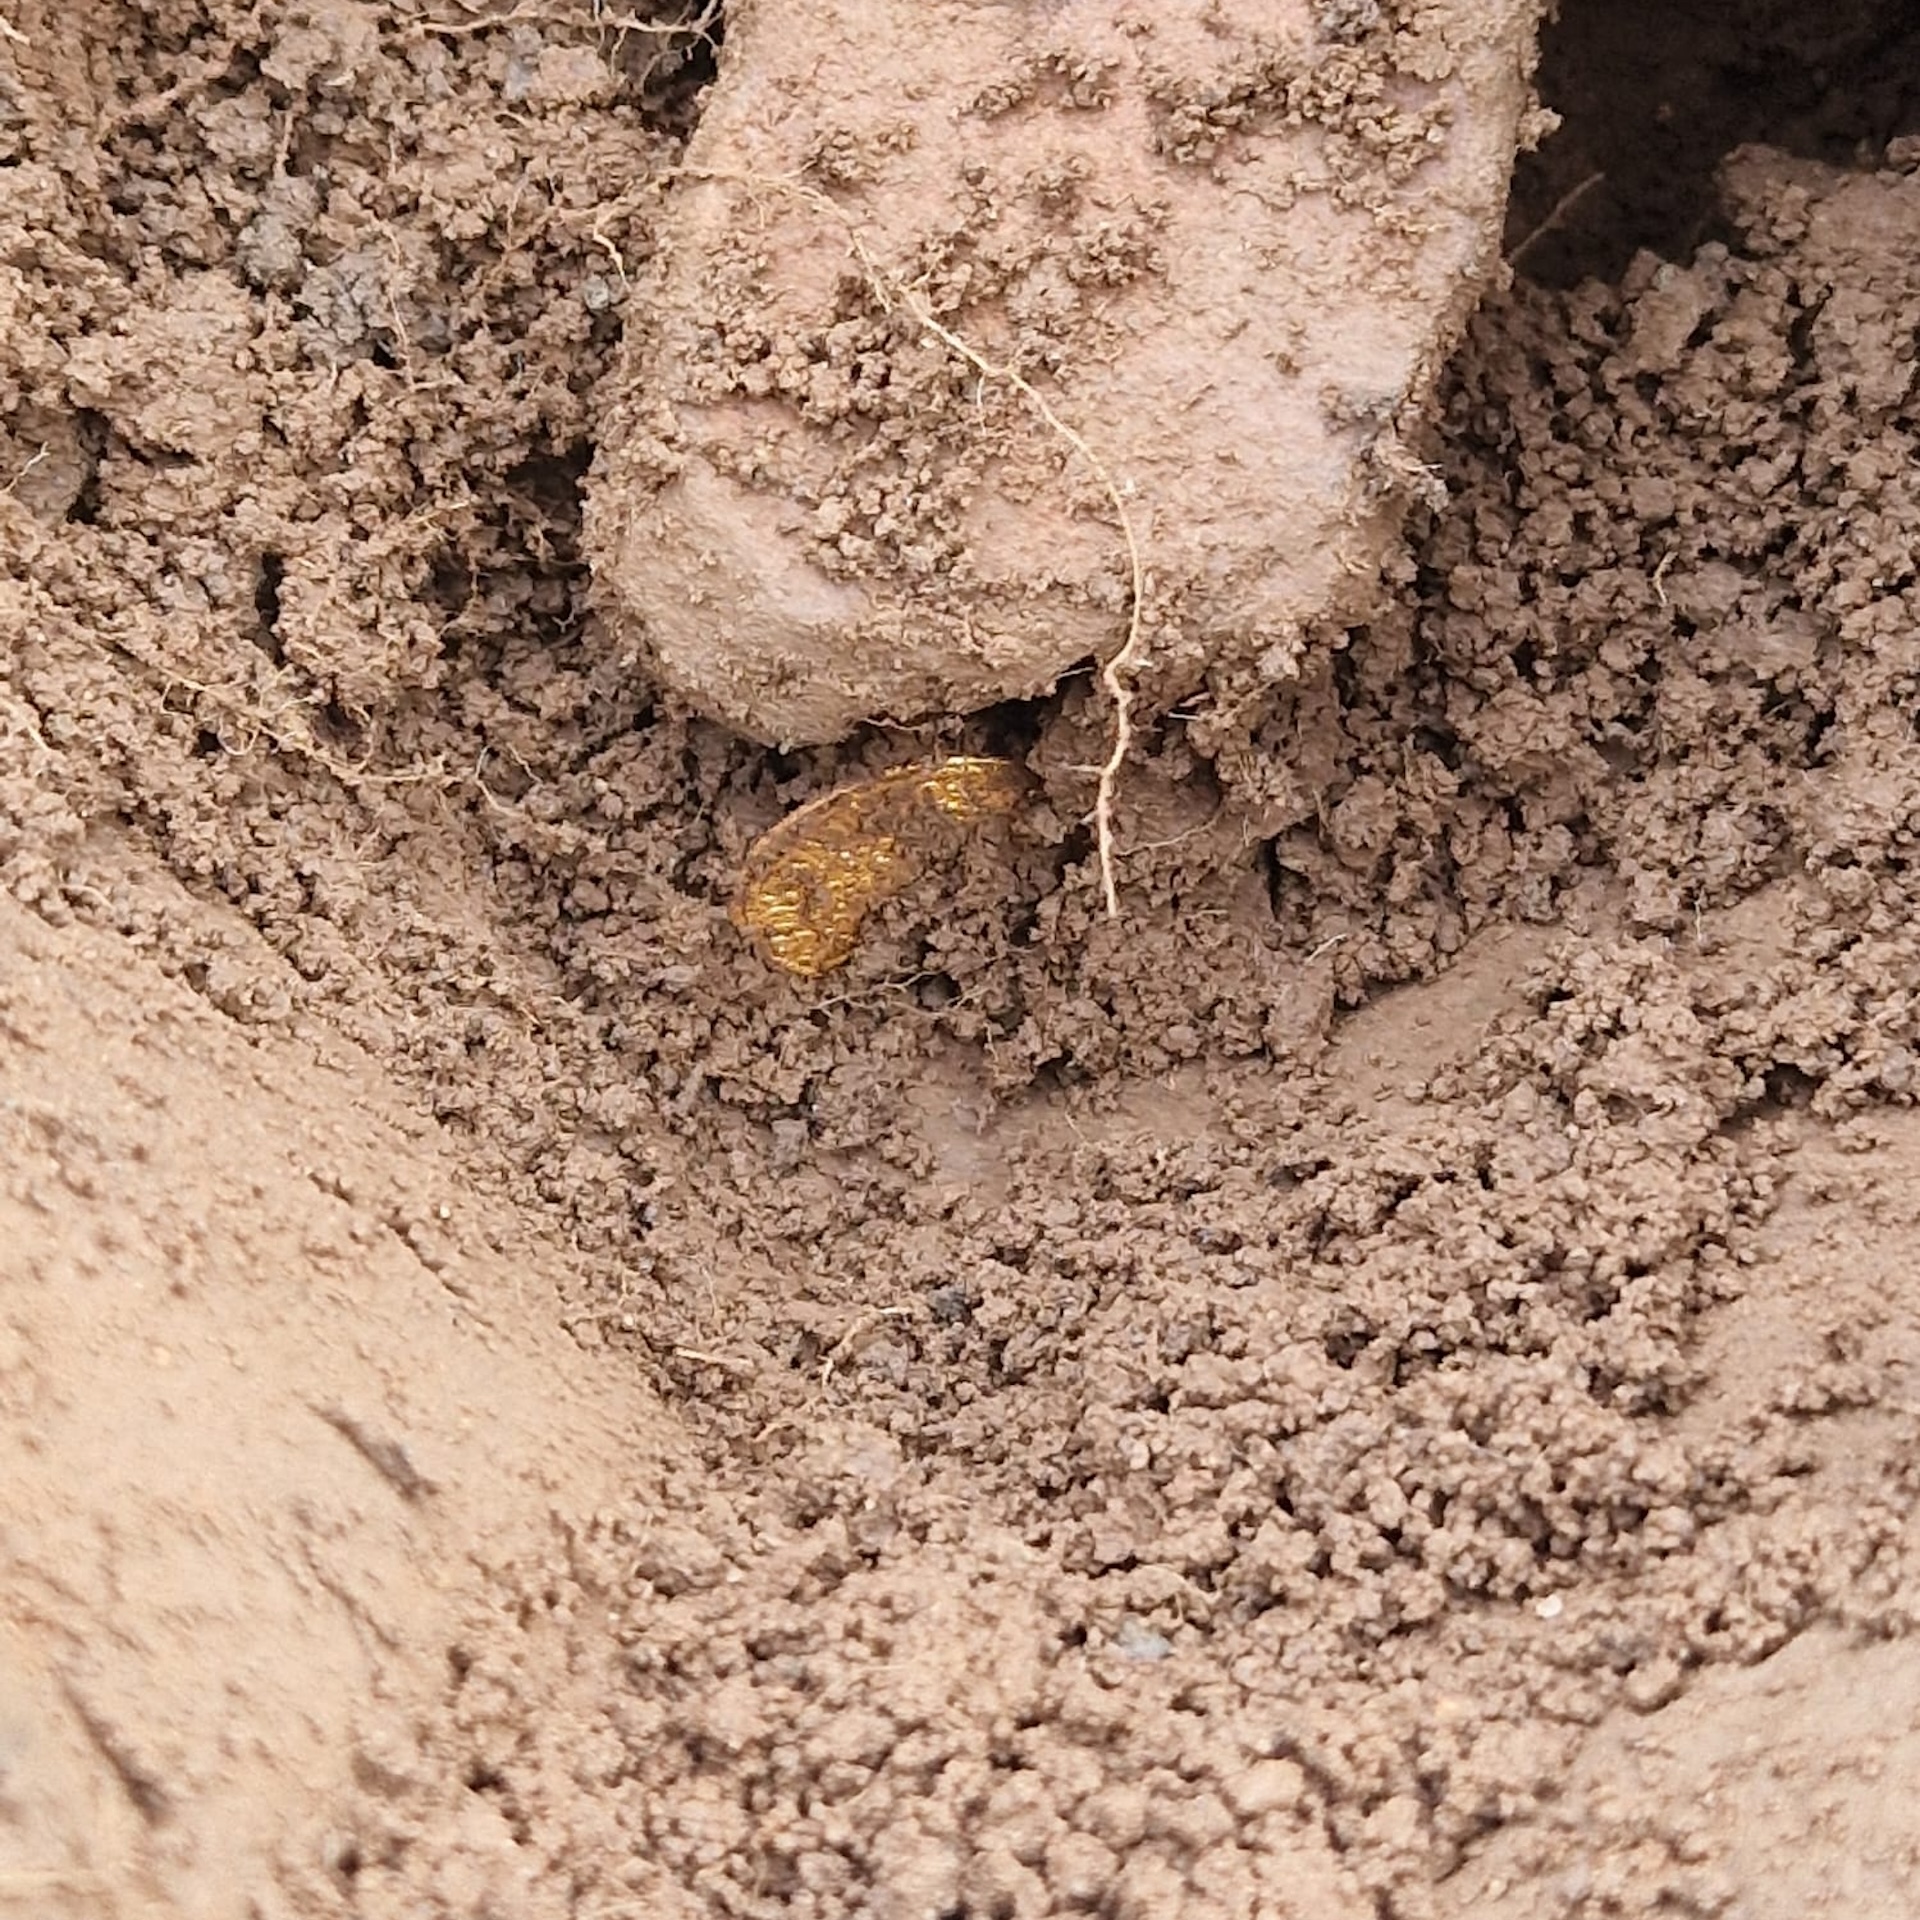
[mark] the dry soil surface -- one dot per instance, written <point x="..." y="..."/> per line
<point x="1381" y="1384"/>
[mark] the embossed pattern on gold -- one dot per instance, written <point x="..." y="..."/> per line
<point x="811" y="880"/>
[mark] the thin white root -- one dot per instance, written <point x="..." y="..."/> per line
<point x="1555" y="215"/>
<point x="1118" y="672"/>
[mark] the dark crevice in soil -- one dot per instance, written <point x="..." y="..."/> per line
<point x="1653" y="95"/>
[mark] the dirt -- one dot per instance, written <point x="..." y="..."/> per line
<point x="1032" y="338"/>
<point x="1380" y="1383"/>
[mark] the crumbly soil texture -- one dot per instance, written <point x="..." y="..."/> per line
<point x="1380" y="1383"/>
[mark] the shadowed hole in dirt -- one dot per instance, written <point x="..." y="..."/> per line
<point x="672" y="59"/>
<point x="544" y="501"/>
<point x="91" y="430"/>
<point x="1653" y="95"/>
<point x="266" y="600"/>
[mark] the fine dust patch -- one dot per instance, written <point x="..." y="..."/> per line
<point x="259" y="1405"/>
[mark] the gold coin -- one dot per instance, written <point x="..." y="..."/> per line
<point x="811" y="880"/>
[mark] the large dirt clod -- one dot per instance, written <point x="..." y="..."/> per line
<point x="951" y="290"/>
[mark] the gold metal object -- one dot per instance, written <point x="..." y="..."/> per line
<point x="811" y="880"/>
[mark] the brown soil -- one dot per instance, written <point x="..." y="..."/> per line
<point x="1380" y="1384"/>
<point x="982" y="342"/>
